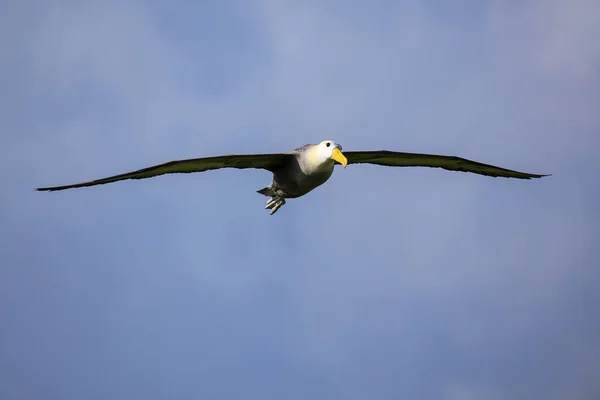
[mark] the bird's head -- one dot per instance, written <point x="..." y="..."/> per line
<point x="330" y="150"/>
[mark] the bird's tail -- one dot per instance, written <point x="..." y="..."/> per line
<point x="267" y="191"/>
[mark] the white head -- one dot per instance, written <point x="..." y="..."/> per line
<point x="330" y="150"/>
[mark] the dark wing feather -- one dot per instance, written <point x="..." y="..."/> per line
<point x="269" y="162"/>
<point x="451" y="163"/>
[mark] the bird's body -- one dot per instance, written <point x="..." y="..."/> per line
<point x="298" y="175"/>
<point x="295" y="182"/>
<point x="297" y="172"/>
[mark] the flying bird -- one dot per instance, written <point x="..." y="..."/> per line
<point x="299" y="171"/>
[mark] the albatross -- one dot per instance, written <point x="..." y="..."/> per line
<point x="299" y="171"/>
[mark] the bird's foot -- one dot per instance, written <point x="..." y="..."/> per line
<point x="274" y="204"/>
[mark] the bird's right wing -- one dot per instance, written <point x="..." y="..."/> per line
<point x="270" y="162"/>
<point x="451" y="163"/>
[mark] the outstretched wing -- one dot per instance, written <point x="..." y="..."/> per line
<point x="451" y="163"/>
<point x="269" y="162"/>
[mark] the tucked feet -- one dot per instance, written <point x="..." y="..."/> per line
<point x="274" y="204"/>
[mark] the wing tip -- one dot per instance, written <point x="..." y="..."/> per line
<point x="53" y="188"/>
<point x="539" y="176"/>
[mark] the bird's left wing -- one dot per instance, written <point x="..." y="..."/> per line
<point x="397" y="159"/>
<point x="270" y="162"/>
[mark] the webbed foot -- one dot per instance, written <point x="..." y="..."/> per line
<point x="274" y="204"/>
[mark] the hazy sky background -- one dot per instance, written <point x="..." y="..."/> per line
<point x="385" y="283"/>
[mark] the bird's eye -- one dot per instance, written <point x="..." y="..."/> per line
<point x="328" y="144"/>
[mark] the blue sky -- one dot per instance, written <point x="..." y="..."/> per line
<point x="384" y="283"/>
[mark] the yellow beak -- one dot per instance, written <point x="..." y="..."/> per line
<point x="337" y="155"/>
